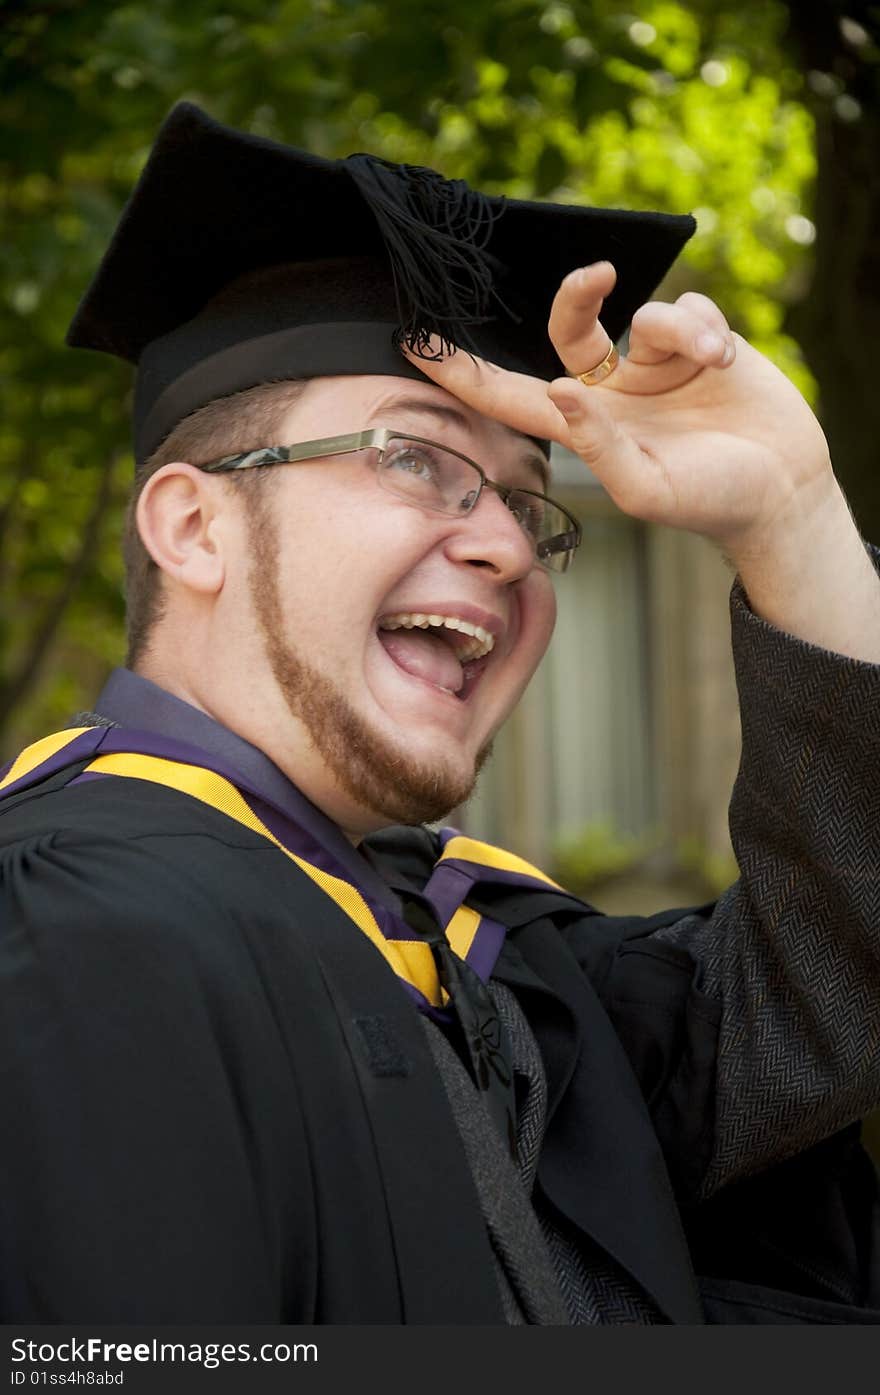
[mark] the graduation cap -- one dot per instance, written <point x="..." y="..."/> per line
<point x="239" y="261"/>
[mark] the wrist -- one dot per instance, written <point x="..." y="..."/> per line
<point x="810" y="575"/>
<point x="814" y="516"/>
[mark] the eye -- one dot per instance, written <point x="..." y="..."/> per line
<point x="418" y="462"/>
<point x="528" y="510"/>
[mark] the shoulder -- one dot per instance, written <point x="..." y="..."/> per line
<point x="115" y="810"/>
<point x="119" y="862"/>
<point x="128" y="920"/>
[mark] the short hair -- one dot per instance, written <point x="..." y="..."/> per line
<point x="227" y="426"/>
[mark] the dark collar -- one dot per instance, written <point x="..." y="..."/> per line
<point x="130" y="700"/>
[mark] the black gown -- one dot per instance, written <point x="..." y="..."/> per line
<point x="199" y="1127"/>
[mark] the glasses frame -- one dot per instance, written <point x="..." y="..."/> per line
<point x="377" y="438"/>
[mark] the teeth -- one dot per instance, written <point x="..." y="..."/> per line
<point x="477" y="644"/>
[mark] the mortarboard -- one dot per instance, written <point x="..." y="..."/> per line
<point x="238" y="261"/>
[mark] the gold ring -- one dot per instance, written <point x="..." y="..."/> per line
<point x="602" y="370"/>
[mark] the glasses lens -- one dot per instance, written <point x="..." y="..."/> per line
<point x="429" y="475"/>
<point x="440" y="480"/>
<point x="552" y="530"/>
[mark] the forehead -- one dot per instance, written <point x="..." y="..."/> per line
<point x="342" y="404"/>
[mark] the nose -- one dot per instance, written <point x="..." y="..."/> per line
<point x="490" y="536"/>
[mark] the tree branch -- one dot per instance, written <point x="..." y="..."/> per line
<point x="6" y="512"/>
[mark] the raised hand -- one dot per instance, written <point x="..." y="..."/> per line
<point x="696" y="429"/>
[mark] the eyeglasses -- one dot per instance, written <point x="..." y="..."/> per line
<point x="431" y="477"/>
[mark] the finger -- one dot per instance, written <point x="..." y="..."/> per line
<point x="632" y="478"/>
<point x="706" y="309"/>
<point x="660" y="330"/>
<point x="516" y="399"/>
<point x="574" y="327"/>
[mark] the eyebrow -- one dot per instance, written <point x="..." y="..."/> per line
<point x="451" y="415"/>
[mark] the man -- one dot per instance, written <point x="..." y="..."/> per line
<point x="273" y="1050"/>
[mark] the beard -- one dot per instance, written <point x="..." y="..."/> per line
<point x="368" y="766"/>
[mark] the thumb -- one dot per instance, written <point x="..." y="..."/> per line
<point x="597" y="438"/>
<point x="593" y="431"/>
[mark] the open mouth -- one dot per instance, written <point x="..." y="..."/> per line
<point x="443" y="650"/>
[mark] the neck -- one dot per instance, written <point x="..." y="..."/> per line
<point x="280" y="739"/>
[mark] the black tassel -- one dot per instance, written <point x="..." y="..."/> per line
<point x="435" y="232"/>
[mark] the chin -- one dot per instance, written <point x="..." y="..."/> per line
<point x="409" y="788"/>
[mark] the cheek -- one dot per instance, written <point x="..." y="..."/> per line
<point x="538" y="616"/>
<point x="350" y="534"/>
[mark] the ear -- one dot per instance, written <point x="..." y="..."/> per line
<point x="177" y="518"/>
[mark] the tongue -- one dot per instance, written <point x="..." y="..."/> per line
<point x="425" y="656"/>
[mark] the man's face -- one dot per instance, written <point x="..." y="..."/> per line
<point x="388" y="721"/>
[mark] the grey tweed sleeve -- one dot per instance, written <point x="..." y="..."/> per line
<point x="792" y="949"/>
